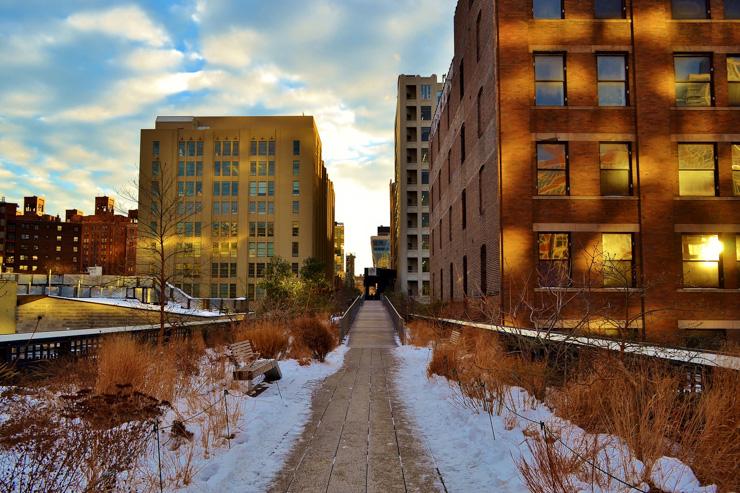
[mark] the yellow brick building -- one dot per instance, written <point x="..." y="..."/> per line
<point x="246" y="189"/>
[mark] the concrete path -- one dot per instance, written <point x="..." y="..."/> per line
<point x="359" y="439"/>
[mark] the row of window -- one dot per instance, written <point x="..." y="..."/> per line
<point x="425" y="113"/>
<point x="616" y="9"/>
<point x="225" y="249"/>
<point x="261" y="229"/>
<point x="226" y="148"/>
<point x="261" y="249"/>
<point x="693" y="79"/>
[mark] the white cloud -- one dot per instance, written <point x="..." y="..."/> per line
<point x="153" y="60"/>
<point x="231" y="49"/>
<point x="23" y="102"/>
<point x="128" y="22"/>
<point x="14" y="151"/>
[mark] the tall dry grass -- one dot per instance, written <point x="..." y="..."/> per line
<point x="312" y="336"/>
<point x="270" y="338"/>
<point x="422" y="333"/>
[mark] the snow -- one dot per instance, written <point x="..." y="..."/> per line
<point x="136" y="304"/>
<point x="673" y="476"/>
<point x="268" y="427"/>
<point x="475" y="452"/>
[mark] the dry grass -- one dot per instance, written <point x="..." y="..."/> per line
<point x="312" y="336"/>
<point x="148" y="369"/>
<point x="269" y="338"/>
<point x="425" y="334"/>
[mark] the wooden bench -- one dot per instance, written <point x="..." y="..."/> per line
<point x="249" y="365"/>
<point x="455" y="337"/>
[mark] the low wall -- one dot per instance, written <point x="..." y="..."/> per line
<point x="8" y="300"/>
<point x="66" y="314"/>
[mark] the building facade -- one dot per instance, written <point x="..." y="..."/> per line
<point x="380" y="245"/>
<point x="592" y="147"/>
<point x="246" y="189"/>
<point x="339" y="250"/>
<point x="416" y="103"/>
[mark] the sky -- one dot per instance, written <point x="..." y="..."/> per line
<point x="80" y="79"/>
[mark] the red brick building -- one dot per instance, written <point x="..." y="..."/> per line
<point x="34" y="242"/>
<point x="592" y="147"/>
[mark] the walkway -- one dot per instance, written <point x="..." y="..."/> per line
<point x="359" y="439"/>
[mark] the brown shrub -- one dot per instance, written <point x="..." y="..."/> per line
<point x="422" y="333"/>
<point x="444" y="361"/>
<point x="124" y="361"/>
<point x="314" y="336"/>
<point x="269" y="338"/>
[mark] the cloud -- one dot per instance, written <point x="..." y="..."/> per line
<point x="231" y="49"/>
<point x="128" y="22"/>
<point x="153" y="60"/>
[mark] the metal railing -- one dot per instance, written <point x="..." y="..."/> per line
<point x="399" y="324"/>
<point x="348" y="318"/>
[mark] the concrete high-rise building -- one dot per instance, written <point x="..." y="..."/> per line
<point x="339" y="249"/>
<point x="249" y="189"/>
<point x="380" y="245"/>
<point x="416" y="103"/>
<point x="349" y="279"/>
<point x="629" y="158"/>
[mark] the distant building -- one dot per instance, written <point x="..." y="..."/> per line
<point x="339" y="249"/>
<point x="250" y="188"/>
<point x="381" y="247"/>
<point x="108" y="239"/>
<point x="36" y="242"/>
<point x="416" y="103"/>
<point x="349" y="275"/>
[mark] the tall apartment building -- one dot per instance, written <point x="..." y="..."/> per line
<point x="109" y="240"/>
<point x="416" y="103"/>
<point x="603" y="130"/>
<point x="249" y="188"/>
<point x="339" y="250"/>
<point x="380" y="245"/>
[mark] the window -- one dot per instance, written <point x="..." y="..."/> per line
<point x="612" y="80"/>
<point x="479" y="119"/>
<point x="426" y="91"/>
<point x="156" y="169"/>
<point x="553" y="259"/>
<point x="425" y="134"/>
<point x="462" y="144"/>
<point x="702" y="256"/>
<point x="736" y="171"/>
<point x="690" y="9"/>
<point x="425" y="177"/>
<point x="618" y="266"/>
<point x="191" y="148"/>
<point x="426" y="113"/>
<point x="296" y="147"/>
<point x="296" y="207"/>
<point x="465" y="274"/>
<point x="462" y="78"/>
<point x="697" y="170"/>
<point x="480" y="190"/>
<point x="616" y="169"/>
<point x="549" y="75"/>
<point x="483" y="271"/>
<point x="295" y="229"/>
<point x="253" y="147"/>
<point x="441" y="284"/>
<point x="609" y="9"/>
<point x="295" y="249"/>
<point x="296" y="168"/>
<point x="449" y="224"/>
<point x="733" y="78"/>
<point x="155" y="147"/>
<point x="477" y="37"/>
<point x="296" y="187"/>
<point x="464" y="201"/>
<point x="271" y="148"/>
<point x="424" y="219"/>
<point x="262" y="148"/>
<point x="452" y="281"/>
<point x="548" y="9"/>
<point x="199" y="149"/>
<point x="732" y="9"/>
<point x="693" y="80"/>
<point x="552" y="169"/>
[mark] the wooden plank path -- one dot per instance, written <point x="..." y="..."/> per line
<point x="359" y="438"/>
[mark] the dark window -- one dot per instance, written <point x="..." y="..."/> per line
<point x="480" y="190"/>
<point x="439" y="234"/>
<point x="697" y="170"/>
<point x="464" y="201"/>
<point x="693" y="80"/>
<point x="452" y="282"/>
<point x="462" y="78"/>
<point x="732" y="9"/>
<point x="548" y="9"/>
<point x="733" y="79"/>
<point x="426" y="113"/>
<point x="155" y="147"/>
<point x="425" y="177"/>
<point x="552" y="169"/>
<point x="615" y="168"/>
<point x="449" y="166"/>
<point x="483" y="271"/>
<point x="549" y="74"/>
<point x="462" y="144"/>
<point x="296" y="147"/>
<point x="449" y="224"/>
<point x="295" y="249"/>
<point x="425" y="134"/>
<point x="612" y="80"/>
<point x="477" y="37"/>
<point x="199" y="149"/>
<point x="553" y="259"/>
<point x="253" y="147"/>
<point x="441" y="284"/>
<point x="465" y="274"/>
<point x="609" y="9"/>
<point x="690" y="9"/>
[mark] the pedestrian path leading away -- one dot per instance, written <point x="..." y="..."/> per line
<point x="359" y="439"/>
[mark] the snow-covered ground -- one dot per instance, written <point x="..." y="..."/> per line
<point x="265" y="433"/>
<point x="136" y="304"/>
<point x="475" y="452"/>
